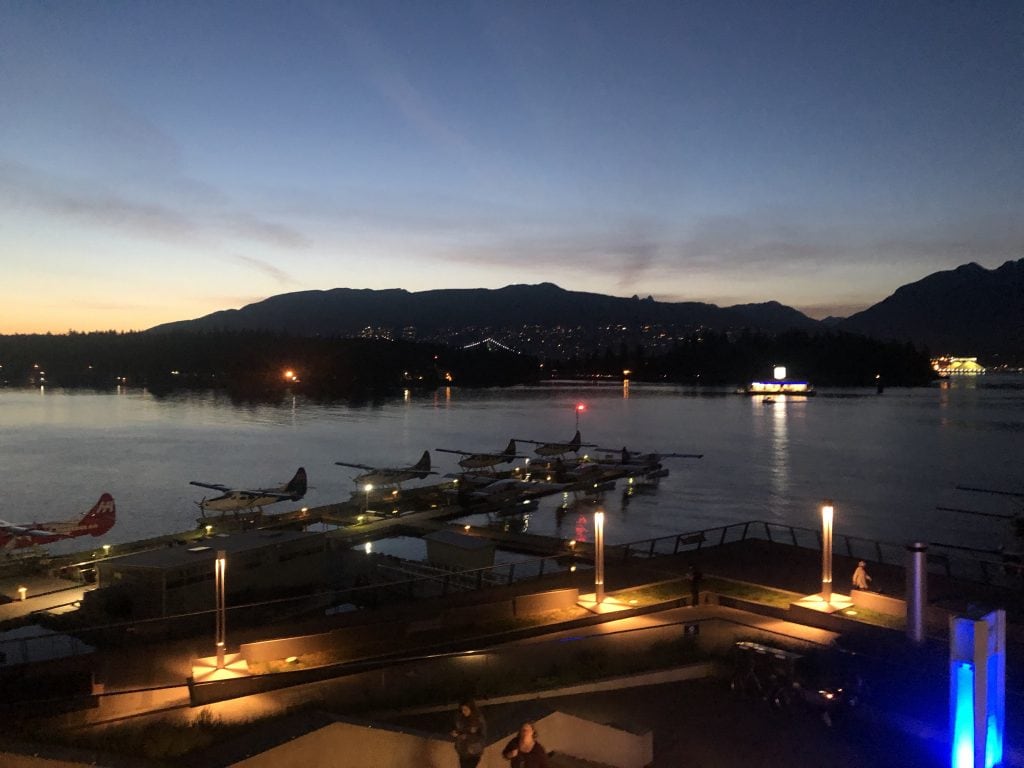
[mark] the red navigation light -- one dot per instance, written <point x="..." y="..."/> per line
<point x="581" y="407"/>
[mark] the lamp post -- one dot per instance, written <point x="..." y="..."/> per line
<point x="368" y="487"/>
<point x="599" y="557"/>
<point x="580" y="407"/>
<point x="827" y="512"/>
<point x="219" y="569"/>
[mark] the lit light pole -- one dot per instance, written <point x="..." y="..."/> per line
<point x="599" y="557"/>
<point x="368" y="487"/>
<point x="219" y="568"/>
<point x="580" y="407"/>
<point x="827" y="512"/>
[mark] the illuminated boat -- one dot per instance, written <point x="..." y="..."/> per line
<point x="780" y="385"/>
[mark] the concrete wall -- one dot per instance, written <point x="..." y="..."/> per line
<point x="935" y="619"/>
<point x="599" y="743"/>
<point x="552" y="600"/>
<point x="357" y="745"/>
<point x="349" y="745"/>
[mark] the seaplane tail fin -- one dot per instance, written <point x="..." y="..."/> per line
<point x="423" y="465"/>
<point x="100" y="518"/>
<point x="510" y="449"/>
<point x="297" y="485"/>
<point x="576" y="441"/>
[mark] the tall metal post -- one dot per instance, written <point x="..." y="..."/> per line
<point x="917" y="590"/>
<point x="219" y="569"/>
<point x="826" y="550"/>
<point x="599" y="557"/>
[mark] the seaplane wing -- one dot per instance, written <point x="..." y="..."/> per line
<point x="390" y="475"/>
<point x="556" y="449"/>
<point x="472" y="460"/>
<point x="237" y="499"/>
<point x="96" y="522"/>
<point x="214" y="486"/>
<point x="636" y="457"/>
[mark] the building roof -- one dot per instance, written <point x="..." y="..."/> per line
<point x="205" y="550"/>
<point x="460" y="540"/>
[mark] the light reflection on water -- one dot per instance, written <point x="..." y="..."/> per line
<point x="887" y="461"/>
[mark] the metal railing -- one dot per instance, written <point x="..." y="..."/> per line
<point x="965" y="563"/>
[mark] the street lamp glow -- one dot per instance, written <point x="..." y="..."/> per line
<point x="219" y="571"/>
<point x="599" y="557"/>
<point x="827" y="513"/>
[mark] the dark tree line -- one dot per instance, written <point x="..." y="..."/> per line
<point x="253" y="364"/>
<point x="726" y="359"/>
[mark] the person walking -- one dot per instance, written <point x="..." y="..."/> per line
<point x="470" y="733"/>
<point x="861" y="578"/>
<point x="524" y="751"/>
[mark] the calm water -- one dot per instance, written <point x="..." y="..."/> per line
<point x="887" y="461"/>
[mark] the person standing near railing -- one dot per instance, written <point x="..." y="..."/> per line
<point x="861" y="578"/>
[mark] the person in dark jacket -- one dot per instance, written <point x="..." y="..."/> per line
<point x="524" y="751"/>
<point x="470" y="733"/>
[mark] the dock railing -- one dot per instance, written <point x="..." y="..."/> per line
<point x="955" y="562"/>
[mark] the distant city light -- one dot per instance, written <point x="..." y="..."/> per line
<point x="780" y="372"/>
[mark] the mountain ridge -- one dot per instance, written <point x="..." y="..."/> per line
<point x="967" y="310"/>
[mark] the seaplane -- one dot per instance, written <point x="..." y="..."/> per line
<point x="378" y="476"/>
<point x="641" y="463"/>
<point x="96" y="522"/>
<point x="555" y="449"/>
<point x="485" y="490"/>
<point x="245" y="499"/>
<point x="470" y="461"/>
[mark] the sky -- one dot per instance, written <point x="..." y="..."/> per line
<point x="164" y="160"/>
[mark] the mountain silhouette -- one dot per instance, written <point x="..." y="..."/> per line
<point x="347" y="311"/>
<point x="969" y="310"/>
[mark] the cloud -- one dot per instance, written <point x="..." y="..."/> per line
<point x="64" y="197"/>
<point x="276" y="274"/>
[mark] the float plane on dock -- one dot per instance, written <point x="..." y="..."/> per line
<point x="246" y="499"/>
<point x="378" y="476"/>
<point x="96" y="522"/>
<point x="471" y="461"/>
<point x="556" y="449"/>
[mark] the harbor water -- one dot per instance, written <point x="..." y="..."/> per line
<point x="887" y="461"/>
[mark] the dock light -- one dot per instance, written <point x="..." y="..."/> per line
<point x="599" y="556"/>
<point x="209" y="530"/>
<point x="360" y="518"/>
<point x="572" y="569"/>
<point x="625" y="373"/>
<point x="219" y="571"/>
<point x="106" y="550"/>
<point x="367" y="488"/>
<point x="368" y="547"/>
<point x="292" y="660"/>
<point x="827" y="512"/>
<point x="465" y="527"/>
<point x="572" y="544"/>
<point x="22" y="593"/>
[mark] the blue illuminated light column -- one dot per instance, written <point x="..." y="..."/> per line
<point x="977" y="689"/>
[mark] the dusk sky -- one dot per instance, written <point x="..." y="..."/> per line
<point x="164" y="160"/>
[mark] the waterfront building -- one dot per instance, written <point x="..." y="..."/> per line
<point x="179" y="579"/>
<point x="957" y="366"/>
